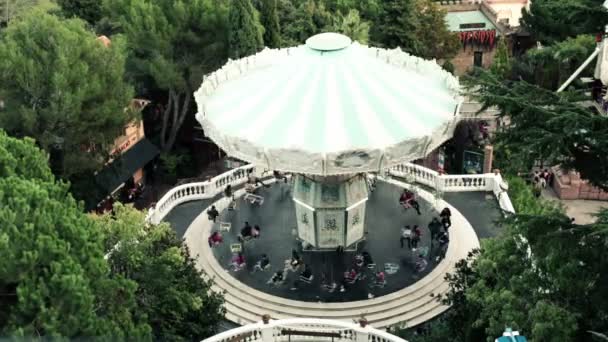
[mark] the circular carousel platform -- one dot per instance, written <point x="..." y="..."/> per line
<point x="407" y="297"/>
<point x="276" y="218"/>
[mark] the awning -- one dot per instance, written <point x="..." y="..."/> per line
<point x="123" y="167"/>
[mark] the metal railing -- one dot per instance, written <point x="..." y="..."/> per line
<point x="305" y="329"/>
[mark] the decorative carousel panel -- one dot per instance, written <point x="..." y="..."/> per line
<point x="306" y="224"/>
<point x="355" y="224"/>
<point x="304" y="190"/>
<point x="361" y="160"/>
<point x="405" y="151"/>
<point x="330" y="195"/>
<point x="295" y="161"/>
<point x="243" y="149"/>
<point x="330" y="228"/>
<point x="443" y="133"/>
<point x="355" y="190"/>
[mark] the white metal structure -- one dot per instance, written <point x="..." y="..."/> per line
<point x="305" y="329"/>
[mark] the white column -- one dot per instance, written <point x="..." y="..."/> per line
<point x="362" y="334"/>
<point x="267" y="333"/>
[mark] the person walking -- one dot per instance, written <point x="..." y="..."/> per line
<point x="212" y="213"/>
<point x="406" y="235"/>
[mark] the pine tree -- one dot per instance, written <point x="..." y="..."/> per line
<point x="245" y="32"/>
<point x="270" y="21"/>
<point x="396" y="26"/>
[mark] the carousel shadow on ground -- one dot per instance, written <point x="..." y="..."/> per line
<point x="276" y="218"/>
<point x="384" y="219"/>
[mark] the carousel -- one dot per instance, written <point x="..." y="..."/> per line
<point x="330" y="112"/>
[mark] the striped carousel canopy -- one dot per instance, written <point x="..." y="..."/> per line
<point x="329" y="107"/>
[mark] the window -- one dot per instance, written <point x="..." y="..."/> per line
<point x="478" y="58"/>
<point x="472" y="26"/>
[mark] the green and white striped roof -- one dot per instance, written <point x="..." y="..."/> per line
<point x="270" y="107"/>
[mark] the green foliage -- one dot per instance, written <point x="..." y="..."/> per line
<point x="12" y="9"/>
<point x="245" y="32"/>
<point x="548" y="126"/>
<point x="395" y="26"/>
<point x="170" y="292"/>
<point x="54" y="281"/>
<point x="501" y="66"/>
<point x="270" y="21"/>
<point x="172" y="44"/>
<point x="522" y="197"/>
<point x="63" y="88"/>
<point x="87" y="10"/>
<point x="550" y="66"/>
<point x="433" y="38"/>
<point x="303" y="21"/>
<point x="552" y="21"/>
<point x="449" y="67"/>
<point x="352" y="26"/>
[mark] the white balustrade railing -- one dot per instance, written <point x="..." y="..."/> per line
<point x="304" y="329"/>
<point x="411" y="172"/>
<point x="199" y="190"/>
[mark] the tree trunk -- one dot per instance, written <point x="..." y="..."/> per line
<point x="178" y="106"/>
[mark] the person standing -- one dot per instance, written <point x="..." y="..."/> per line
<point x="212" y="213"/>
<point x="416" y="235"/>
<point x="435" y="228"/>
<point x="446" y="218"/>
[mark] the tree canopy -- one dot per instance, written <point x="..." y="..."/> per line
<point x="171" y="45"/>
<point x="270" y="21"/>
<point x="87" y="10"/>
<point x="245" y="32"/>
<point x="548" y="126"/>
<point x="434" y="39"/>
<point x="552" y="21"/>
<point x="395" y="26"/>
<point x="54" y="281"/>
<point x="63" y="88"/>
<point x="170" y="290"/>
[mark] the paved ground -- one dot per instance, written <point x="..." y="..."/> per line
<point x="384" y="218"/>
<point x="581" y="210"/>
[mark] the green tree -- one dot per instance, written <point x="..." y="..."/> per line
<point x="171" y="291"/>
<point x="10" y="9"/>
<point x="87" y="10"/>
<point x="434" y="39"/>
<point x="270" y="21"/>
<point x="65" y="89"/>
<point x="172" y="44"/>
<point x="501" y="66"/>
<point x="546" y="125"/>
<point x="352" y="26"/>
<point x="552" y="21"/>
<point x="396" y="25"/>
<point x="245" y="32"/>
<point x="54" y="281"/>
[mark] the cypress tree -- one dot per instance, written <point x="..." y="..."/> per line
<point x="270" y="21"/>
<point x="245" y="32"/>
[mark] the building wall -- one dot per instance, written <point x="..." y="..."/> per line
<point x="134" y="132"/>
<point x="463" y="61"/>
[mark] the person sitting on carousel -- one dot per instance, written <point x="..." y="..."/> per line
<point x="215" y="239"/>
<point x="352" y="276"/>
<point x="277" y="278"/>
<point x="359" y="260"/>
<point x="256" y="231"/>
<point x="294" y="263"/>
<point x="246" y="232"/>
<point x="408" y="200"/>
<point x="238" y="262"/>
<point x="278" y="175"/>
<point x="380" y="278"/>
<point x="367" y="259"/>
